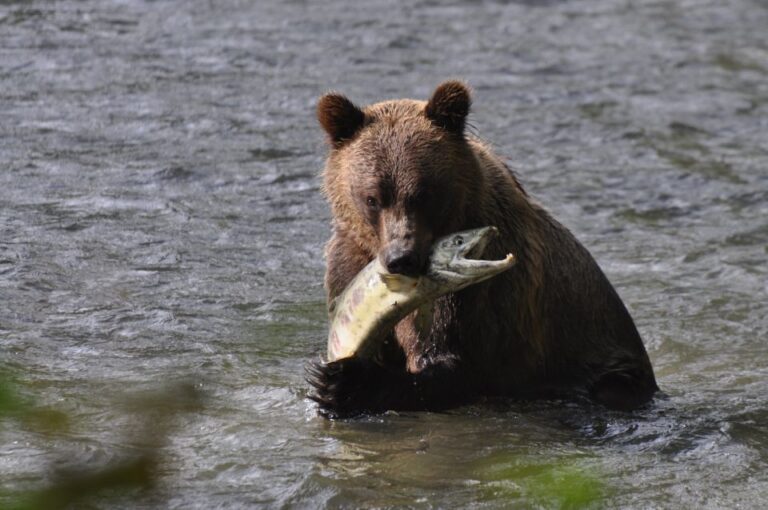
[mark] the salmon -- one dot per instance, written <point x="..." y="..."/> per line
<point x="375" y="300"/>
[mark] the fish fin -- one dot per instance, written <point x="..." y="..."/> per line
<point x="398" y="282"/>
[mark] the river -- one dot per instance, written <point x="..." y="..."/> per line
<point x="161" y="221"/>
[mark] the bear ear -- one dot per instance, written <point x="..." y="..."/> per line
<point x="339" y="117"/>
<point x="449" y="106"/>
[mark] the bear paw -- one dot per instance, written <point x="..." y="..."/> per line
<point x="348" y="387"/>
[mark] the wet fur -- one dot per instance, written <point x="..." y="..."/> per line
<point x="551" y="325"/>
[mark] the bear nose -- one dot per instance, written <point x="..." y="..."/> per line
<point x="405" y="262"/>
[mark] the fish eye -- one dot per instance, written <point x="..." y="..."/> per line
<point x="458" y="241"/>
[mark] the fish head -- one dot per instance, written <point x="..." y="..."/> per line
<point x="466" y="244"/>
<point x="455" y="258"/>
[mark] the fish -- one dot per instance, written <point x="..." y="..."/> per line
<point x="376" y="300"/>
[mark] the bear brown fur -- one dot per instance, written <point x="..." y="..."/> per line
<point x="401" y="174"/>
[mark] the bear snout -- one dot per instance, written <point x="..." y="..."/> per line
<point x="401" y="260"/>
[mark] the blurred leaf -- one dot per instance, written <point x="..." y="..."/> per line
<point x="74" y="487"/>
<point x="155" y="412"/>
<point x="39" y="419"/>
<point x="566" y="487"/>
<point x="11" y="403"/>
<point x="46" y="421"/>
<point x="561" y="483"/>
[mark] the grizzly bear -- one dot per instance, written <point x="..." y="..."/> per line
<point x="403" y="173"/>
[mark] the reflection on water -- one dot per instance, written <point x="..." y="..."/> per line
<point x="160" y="217"/>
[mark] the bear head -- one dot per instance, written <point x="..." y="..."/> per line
<point x="399" y="172"/>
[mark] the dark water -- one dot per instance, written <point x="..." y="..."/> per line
<point x="161" y="220"/>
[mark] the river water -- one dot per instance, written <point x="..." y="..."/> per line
<point x="161" y="221"/>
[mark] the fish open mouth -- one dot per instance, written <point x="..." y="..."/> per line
<point x="474" y="242"/>
<point x="466" y="265"/>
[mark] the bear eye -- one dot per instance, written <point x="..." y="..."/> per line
<point x="372" y="202"/>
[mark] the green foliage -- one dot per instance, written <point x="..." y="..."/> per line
<point x="74" y="487"/>
<point x="11" y="404"/>
<point x="34" y="417"/>
<point x="80" y="482"/>
<point x="564" y="483"/>
<point x="566" y="487"/>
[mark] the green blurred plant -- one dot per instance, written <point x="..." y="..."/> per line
<point x="80" y="482"/>
<point x="564" y="483"/>
<point x="14" y="405"/>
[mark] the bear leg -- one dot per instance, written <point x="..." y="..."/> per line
<point x="353" y="386"/>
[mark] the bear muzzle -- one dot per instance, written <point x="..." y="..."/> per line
<point x="404" y="260"/>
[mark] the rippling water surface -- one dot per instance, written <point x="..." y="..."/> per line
<point x="161" y="220"/>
